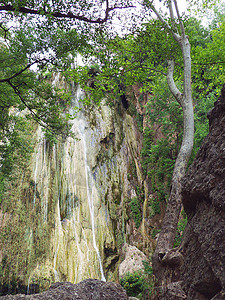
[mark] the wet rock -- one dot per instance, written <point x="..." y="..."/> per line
<point x="89" y="289"/>
<point x="203" y="198"/>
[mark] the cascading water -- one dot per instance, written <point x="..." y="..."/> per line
<point x="89" y="185"/>
<point x="41" y="173"/>
<point x="75" y="226"/>
<point x="79" y="127"/>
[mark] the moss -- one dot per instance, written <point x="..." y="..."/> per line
<point x="23" y="229"/>
<point x="154" y="204"/>
<point x="42" y="277"/>
<point x="114" y="211"/>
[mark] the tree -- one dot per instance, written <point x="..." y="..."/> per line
<point x="164" y="256"/>
<point x="86" y="11"/>
<point x="168" y="232"/>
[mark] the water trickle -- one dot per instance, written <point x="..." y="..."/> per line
<point x="37" y="158"/>
<point x="88" y="250"/>
<point x="59" y="229"/>
<point x="73" y="186"/>
<point x="58" y="221"/>
<point x="44" y="176"/>
<point x="28" y="286"/>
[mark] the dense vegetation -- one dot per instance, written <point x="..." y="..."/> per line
<point x="117" y="62"/>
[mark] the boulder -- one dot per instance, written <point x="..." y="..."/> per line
<point x="89" y="289"/>
<point x="133" y="260"/>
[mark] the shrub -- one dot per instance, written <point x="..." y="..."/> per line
<point x="133" y="283"/>
<point x="136" y="211"/>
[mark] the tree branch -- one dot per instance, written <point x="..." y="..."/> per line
<point x="172" y="86"/>
<point x="175" y="35"/>
<point x="56" y="14"/>
<point x="6" y="30"/>
<point x="36" y="117"/>
<point x="209" y="64"/>
<point x="21" y="71"/>
<point x="179" y="18"/>
<point x="171" y="13"/>
<point x="155" y="70"/>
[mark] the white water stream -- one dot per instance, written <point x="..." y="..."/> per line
<point x="37" y="158"/>
<point x="79" y="125"/>
<point x="44" y="174"/>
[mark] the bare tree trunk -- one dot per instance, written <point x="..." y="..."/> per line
<point x="165" y="258"/>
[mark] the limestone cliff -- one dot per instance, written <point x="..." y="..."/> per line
<point x="69" y="214"/>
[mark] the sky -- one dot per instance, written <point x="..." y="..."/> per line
<point x="181" y="5"/>
<point x="123" y="25"/>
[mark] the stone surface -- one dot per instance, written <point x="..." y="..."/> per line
<point x="173" y="291"/>
<point x="89" y="289"/>
<point x="203" y="271"/>
<point x="133" y="260"/>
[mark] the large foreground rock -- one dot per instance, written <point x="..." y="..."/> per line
<point x="203" y="249"/>
<point x="89" y="289"/>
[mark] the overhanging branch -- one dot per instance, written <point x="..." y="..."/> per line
<point x="36" y="117"/>
<point x="175" y="35"/>
<point x="60" y="15"/>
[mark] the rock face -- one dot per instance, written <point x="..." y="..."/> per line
<point x="203" y="271"/>
<point x="89" y="289"/>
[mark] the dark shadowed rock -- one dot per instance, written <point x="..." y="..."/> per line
<point x="203" y="247"/>
<point x="89" y="289"/>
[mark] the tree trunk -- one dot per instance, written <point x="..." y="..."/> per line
<point x="165" y="257"/>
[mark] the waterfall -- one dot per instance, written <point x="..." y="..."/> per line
<point x="79" y="187"/>
<point x="90" y="198"/>
<point x="41" y="173"/>
<point x="58" y="221"/>
<point x="75" y="230"/>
